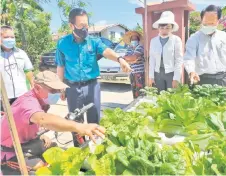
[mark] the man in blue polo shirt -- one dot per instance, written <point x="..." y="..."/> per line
<point x="76" y="59"/>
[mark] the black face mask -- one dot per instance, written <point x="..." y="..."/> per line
<point x="81" y="33"/>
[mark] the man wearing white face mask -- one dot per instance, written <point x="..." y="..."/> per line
<point x="165" y="54"/>
<point x="14" y="62"/>
<point x="205" y="56"/>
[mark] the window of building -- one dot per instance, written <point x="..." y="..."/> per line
<point x="112" y="35"/>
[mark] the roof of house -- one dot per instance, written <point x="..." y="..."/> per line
<point x="100" y="28"/>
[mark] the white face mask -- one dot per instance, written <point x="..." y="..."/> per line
<point x="208" y="29"/>
<point x="165" y="36"/>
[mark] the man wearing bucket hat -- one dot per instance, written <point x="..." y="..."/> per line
<point x="135" y="56"/>
<point x="29" y="114"/>
<point x="205" y="56"/>
<point x="165" y="54"/>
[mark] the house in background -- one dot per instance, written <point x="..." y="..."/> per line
<point x="57" y="36"/>
<point x="113" y="32"/>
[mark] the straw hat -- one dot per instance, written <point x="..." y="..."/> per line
<point x="127" y="37"/>
<point x="167" y="17"/>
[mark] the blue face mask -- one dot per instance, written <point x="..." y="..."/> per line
<point x="134" y="43"/>
<point x="9" y="43"/>
<point x="52" y="98"/>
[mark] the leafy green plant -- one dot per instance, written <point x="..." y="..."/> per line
<point x="62" y="162"/>
<point x="214" y="161"/>
<point x="184" y="111"/>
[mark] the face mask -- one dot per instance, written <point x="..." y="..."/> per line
<point x="52" y="98"/>
<point x="81" y="33"/>
<point x="208" y="29"/>
<point x="165" y="36"/>
<point x="9" y="43"/>
<point x="134" y="43"/>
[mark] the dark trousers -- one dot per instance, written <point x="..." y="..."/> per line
<point x="11" y="101"/>
<point x="79" y="95"/>
<point x="35" y="148"/>
<point x="219" y="78"/>
<point x="137" y="83"/>
<point x="163" y="81"/>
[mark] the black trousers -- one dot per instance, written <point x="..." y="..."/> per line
<point x="35" y="147"/>
<point x="219" y="78"/>
<point x="11" y="101"/>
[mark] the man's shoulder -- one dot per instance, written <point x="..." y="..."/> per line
<point x="27" y="97"/>
<point x="65" y="39"/>
<point x="221" y="34"/>
<point x="19" y="51"/>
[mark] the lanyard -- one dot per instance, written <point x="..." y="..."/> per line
<point x="8" y="69"/>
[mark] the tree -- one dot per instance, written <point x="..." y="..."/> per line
<point x="31" y="25"/>
<point x="195" y="22"/>
<point x="138" y="28"/>
<point x="224" y="11"/>
<point x="65" y="8"/>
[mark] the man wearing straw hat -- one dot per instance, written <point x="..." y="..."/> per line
<point x="165" y="54"/>
<point x="135" y="56"/>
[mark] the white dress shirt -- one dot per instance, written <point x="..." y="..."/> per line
<point x="206" y="54"/>
<point x="12" y="67"/>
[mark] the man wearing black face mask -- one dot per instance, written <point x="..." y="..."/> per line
<point x="76" y="59"/>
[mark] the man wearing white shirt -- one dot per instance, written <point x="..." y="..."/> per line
<point x="14" y="62"/>
<point x="205" y="56"/>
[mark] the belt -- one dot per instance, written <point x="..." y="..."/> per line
<point x="81" y="83"/>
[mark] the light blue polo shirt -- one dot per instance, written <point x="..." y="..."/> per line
<point x="79" y="59"/>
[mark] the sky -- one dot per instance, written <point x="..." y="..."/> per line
<point x="114" y="11"/>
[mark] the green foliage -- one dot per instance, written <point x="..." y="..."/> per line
<point x="131" y="148"/>
<point x="224" y="11"/>
<point x="214" y="161"/>
<point x="185" y="111"/>
<point x="62" y="162"/>
<point x="195" y="22"/>
<point x="138" y="28"/>
<point x="65" y="8"/>
<point x="31" y="25"/>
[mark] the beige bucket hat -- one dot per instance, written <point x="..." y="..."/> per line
<point x="50" y="79"/>
<point x="166" y="17"/>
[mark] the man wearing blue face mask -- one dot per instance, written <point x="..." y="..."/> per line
<point x="30" y="113"/>
<point x="14" y="62"/>
<point x="205" y="56"/>
<point x="135" y="56"/>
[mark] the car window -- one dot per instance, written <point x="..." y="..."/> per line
<point x="121" y="48"/>
<point x="107" y="42"/>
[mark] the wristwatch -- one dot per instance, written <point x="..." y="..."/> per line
<point x="118" y="59"/>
